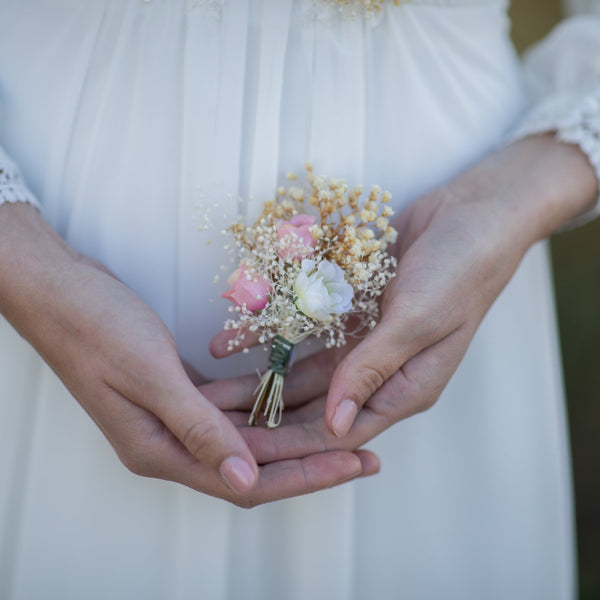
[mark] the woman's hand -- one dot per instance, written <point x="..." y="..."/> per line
<point x="457" y="248"/>
<point x="120" y="362"/>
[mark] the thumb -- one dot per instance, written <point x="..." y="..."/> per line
<point x="362" y="372"/>
<point x="208" y="435"/>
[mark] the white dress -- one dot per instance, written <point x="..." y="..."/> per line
<point x="132" y="119"/>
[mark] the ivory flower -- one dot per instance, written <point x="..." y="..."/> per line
<point x="248" y="289"/>
<point x="295" y="238"/>
<point x="322" y="291"/>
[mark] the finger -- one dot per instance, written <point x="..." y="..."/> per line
<point x="411" y="390"/>
<point x="220" y="346"/>
<point x="369" y="461"/>
<point x="231" y="394"/>
<point x="407" y="328"/>
<point x="277" y="480"/>
<point x="206" y="433"/>
<point x="191" y="372"/>
<point x="362" y="372"/>
<point x="421" y="380"/>
<point x="148" y="448"/>
<point x="286" y="479"/>
<point x="301" y="437"/>
<point x="287" y="441"/>
<point x="309" y="378"/>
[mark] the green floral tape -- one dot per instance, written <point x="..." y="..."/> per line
<point x="280" y="355"/>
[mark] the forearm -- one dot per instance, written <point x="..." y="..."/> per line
<point x="46" y="287"/>
<point x="533" y="186"/>
<point x="33" y="259"/>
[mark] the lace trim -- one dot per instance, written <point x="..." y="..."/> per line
<point x="575" y="120"/>
<point x="12" y="187"/>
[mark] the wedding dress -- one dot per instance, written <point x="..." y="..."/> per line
<point x="134" y="122"/>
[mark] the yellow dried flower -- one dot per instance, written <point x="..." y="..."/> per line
<point x="350" y="232"/>
<point x="390" y="235"/>
<point x="382" y="223"/>
<point x="296" y="194"/>
<point x="356" y="248"/>
<point x="316" y="232"/>
<point x="367" y="216"/>
<point x="371" y="246"/>
<point x="342" y="200"/>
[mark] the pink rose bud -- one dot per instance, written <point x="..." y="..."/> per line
<point x="295" y="238"/>
<point x="248" y="288"/>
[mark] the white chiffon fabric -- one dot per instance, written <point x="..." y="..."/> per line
<point x="135" y="121"/>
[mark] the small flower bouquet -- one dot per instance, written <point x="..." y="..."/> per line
<point x="314" y="258"/>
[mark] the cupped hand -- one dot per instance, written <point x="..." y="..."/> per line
<point x="458" y="246"/>
<point x="447" y="277"/>
<point x="120" y="362"/>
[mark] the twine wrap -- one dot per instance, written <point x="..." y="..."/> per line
<point x="280" y="355"/>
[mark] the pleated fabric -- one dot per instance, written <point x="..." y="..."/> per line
<point x="137" y="123"/>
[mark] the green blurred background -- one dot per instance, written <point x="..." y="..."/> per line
<point x="576" y="258"/>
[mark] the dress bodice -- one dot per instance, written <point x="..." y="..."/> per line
<point x="259" y="89"/>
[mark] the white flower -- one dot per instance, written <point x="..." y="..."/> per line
<point x="323" y="291"/>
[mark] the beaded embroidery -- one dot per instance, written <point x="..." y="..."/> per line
<point x="355" y="8"/>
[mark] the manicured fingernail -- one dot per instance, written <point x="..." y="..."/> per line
<point x="344" y="416"/>
<point x="237" y="473"/>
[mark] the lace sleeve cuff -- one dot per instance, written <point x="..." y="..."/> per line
<point x="575" y="120"/>
<point x="562" y="75"/>
<point x="12" y="186"/>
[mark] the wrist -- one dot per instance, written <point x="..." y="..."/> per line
<point x="533" y="186"/>
<point x="34" y="260"/>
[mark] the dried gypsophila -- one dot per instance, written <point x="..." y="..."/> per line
<point x="315" y="257"/>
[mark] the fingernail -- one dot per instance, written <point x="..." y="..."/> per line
<point x="237" y="473"/>
<point x="344" y="416"/>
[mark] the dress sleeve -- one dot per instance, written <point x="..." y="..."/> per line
<point x="562" y="76"/>
<point x="12" y="186"/>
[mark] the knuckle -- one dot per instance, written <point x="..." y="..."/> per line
<point x="200" y="437"/>
<point x="245" y="502"/>
<point x="426" y="323"/>
<point x="405" y="397"/>
<point x="372" y="378"/>
<point x="416" y="395"/>
<point x="426" y="403"/>
<point x="138" y="463"/>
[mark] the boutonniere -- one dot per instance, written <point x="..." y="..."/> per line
<point x="314" y="263"/>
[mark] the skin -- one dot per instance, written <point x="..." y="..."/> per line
<point x="120" y="362"/>
<point x="458" y="247"/>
